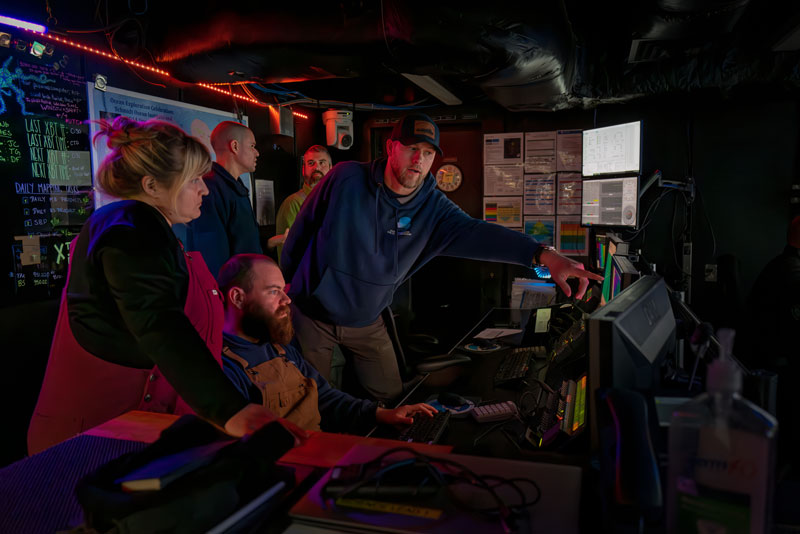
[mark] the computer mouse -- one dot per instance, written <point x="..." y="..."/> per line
<point x="451" y="399"/>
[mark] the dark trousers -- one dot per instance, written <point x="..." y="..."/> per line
<point x="374" y="360"/>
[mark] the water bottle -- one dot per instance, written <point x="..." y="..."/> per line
<point x="721" y="456"/>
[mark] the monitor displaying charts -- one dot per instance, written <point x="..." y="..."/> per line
<point x="613" y="150"/>
<point x="610" y="201"/>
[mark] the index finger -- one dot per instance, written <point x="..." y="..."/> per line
<point x="583" y="273"/>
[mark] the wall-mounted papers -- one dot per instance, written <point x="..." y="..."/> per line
<point x="540" y="194"/>
<point x="572" y="238"/>
<point x="569" y="150"/>
<point x="505" y="211"/>
<point x="502" y="148"/>
<point x="265" y="202"/>
<point x="569" y="193"/>
<point x="542" y="229"/>
<point x="502" y="180"/>
<point x="540" y="152"/>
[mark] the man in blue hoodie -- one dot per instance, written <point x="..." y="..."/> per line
<point x="227" y="224"/>
<point x="268" y="371"/>
<point x="368" y="227"/>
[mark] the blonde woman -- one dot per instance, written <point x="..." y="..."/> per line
<point x="140" y="323"/>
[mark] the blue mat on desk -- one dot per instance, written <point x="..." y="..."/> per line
<point x="37" y="494"/>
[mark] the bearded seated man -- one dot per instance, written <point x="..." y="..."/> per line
<point x="258" y="360"/>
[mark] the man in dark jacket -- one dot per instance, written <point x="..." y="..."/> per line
<point x="368" y="227"/>
<point x="227" y="224"/>
<point x="268" y="371"/>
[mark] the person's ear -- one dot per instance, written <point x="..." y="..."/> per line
<point x="236" y="297"/>
<point x="233" y="145"/>
<point x="389" y="147"/>
<point x="150" y="186"/>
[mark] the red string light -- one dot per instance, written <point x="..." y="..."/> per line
<point x="138" y="65"/>
<point x="300" y="115"/>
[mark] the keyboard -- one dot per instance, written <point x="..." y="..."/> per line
<point x="516" y="365"/>
<point x="425" y="429"/>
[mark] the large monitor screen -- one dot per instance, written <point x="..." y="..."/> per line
<point x="613" y="149"/>
<point x="610" y="202"/>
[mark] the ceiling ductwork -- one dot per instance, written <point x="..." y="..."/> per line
<point x="541" y="56"/>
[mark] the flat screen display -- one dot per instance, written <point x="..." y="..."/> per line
<point x="613" y="149"/>
<point x="610" y="201"/>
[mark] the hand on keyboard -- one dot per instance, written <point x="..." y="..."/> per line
<point x="404" y="414"/>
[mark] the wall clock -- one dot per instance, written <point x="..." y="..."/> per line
<point x="448" y="177"/>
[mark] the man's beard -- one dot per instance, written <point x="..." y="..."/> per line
<point x="407" y="180"/>
<point x="315" y="178"/>
<point x="258" y="324"/>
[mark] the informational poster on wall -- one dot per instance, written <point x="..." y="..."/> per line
<point x="45" y="162"/>
<point x="505" y="211"/>
<point x="571" y="238"/>
<point x="540" y="194"/>
<point x="569" y="150"/>
<point x="197" y="121"/>
<point x="569" y="193"/>
<point x="540" y="152"/>
<point x="502" y="180"/>
<point x="265" y="202"/>
<point x="542" y="229"/>
<point x="502" y="149"/>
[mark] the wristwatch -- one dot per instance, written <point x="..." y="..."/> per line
<point x="537" y="256"/>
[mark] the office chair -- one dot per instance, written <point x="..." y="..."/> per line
<point x="418" y="354"/>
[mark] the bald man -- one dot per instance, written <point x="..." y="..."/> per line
<point x="227" y="224"/>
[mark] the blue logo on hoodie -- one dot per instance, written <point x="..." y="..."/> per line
<point x="404" y="223"/>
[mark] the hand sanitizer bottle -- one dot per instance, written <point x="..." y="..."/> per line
<point x="721" y="456"/>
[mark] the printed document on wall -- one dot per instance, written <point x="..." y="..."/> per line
<point x="542" y="229"/>
<point x="572" y="239"/>
<point x="569" y="193"/>
<point x="540" y="152"/>
<point x="569" y="150"/>
<point x="502" y="180"/>
<point x="502" y="148"/>
<point x="505" y="211"/>
<point x="540" y="194"/>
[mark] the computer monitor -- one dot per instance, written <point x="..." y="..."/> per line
<point x="623" y="274"/>
<point x="610" y="201"/>
<point x="613" y="245"/>
<point x="599" y="250"/>
<point x="613" y="150"/>
<point x="628" y="339"/>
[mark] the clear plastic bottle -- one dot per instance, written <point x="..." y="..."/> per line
<point x="721" y="456"/>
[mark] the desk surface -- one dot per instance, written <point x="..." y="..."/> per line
<point x="37" y="493"/>
<point x="475" y="381"/>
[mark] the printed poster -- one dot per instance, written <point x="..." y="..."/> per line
<point x="540" y="194"/>
<point x="569" y="149"/>
<point x="569" y="193"/>
<point x="502" y="180"/>
<point x="502" y="149"/>
<point x="542" y="229"/>
<point x="572" y="239"/>
<point x="540" y="152"/>
<point x="195" y="120"/>
<point x="505" y="211"/>
<point x="265" y="202"/>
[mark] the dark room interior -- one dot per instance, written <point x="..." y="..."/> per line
<point x="715" y="84"/>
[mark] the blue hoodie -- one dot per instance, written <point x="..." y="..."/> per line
<point x="339" y="411"/>
<point x="353" y="243"/>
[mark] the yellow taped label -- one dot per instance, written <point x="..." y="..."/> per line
<point x="390" y="507"/>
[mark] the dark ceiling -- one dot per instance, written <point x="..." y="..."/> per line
<point x="545" y="55"/>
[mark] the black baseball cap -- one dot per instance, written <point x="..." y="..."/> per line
<point x="416" y="128"/>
